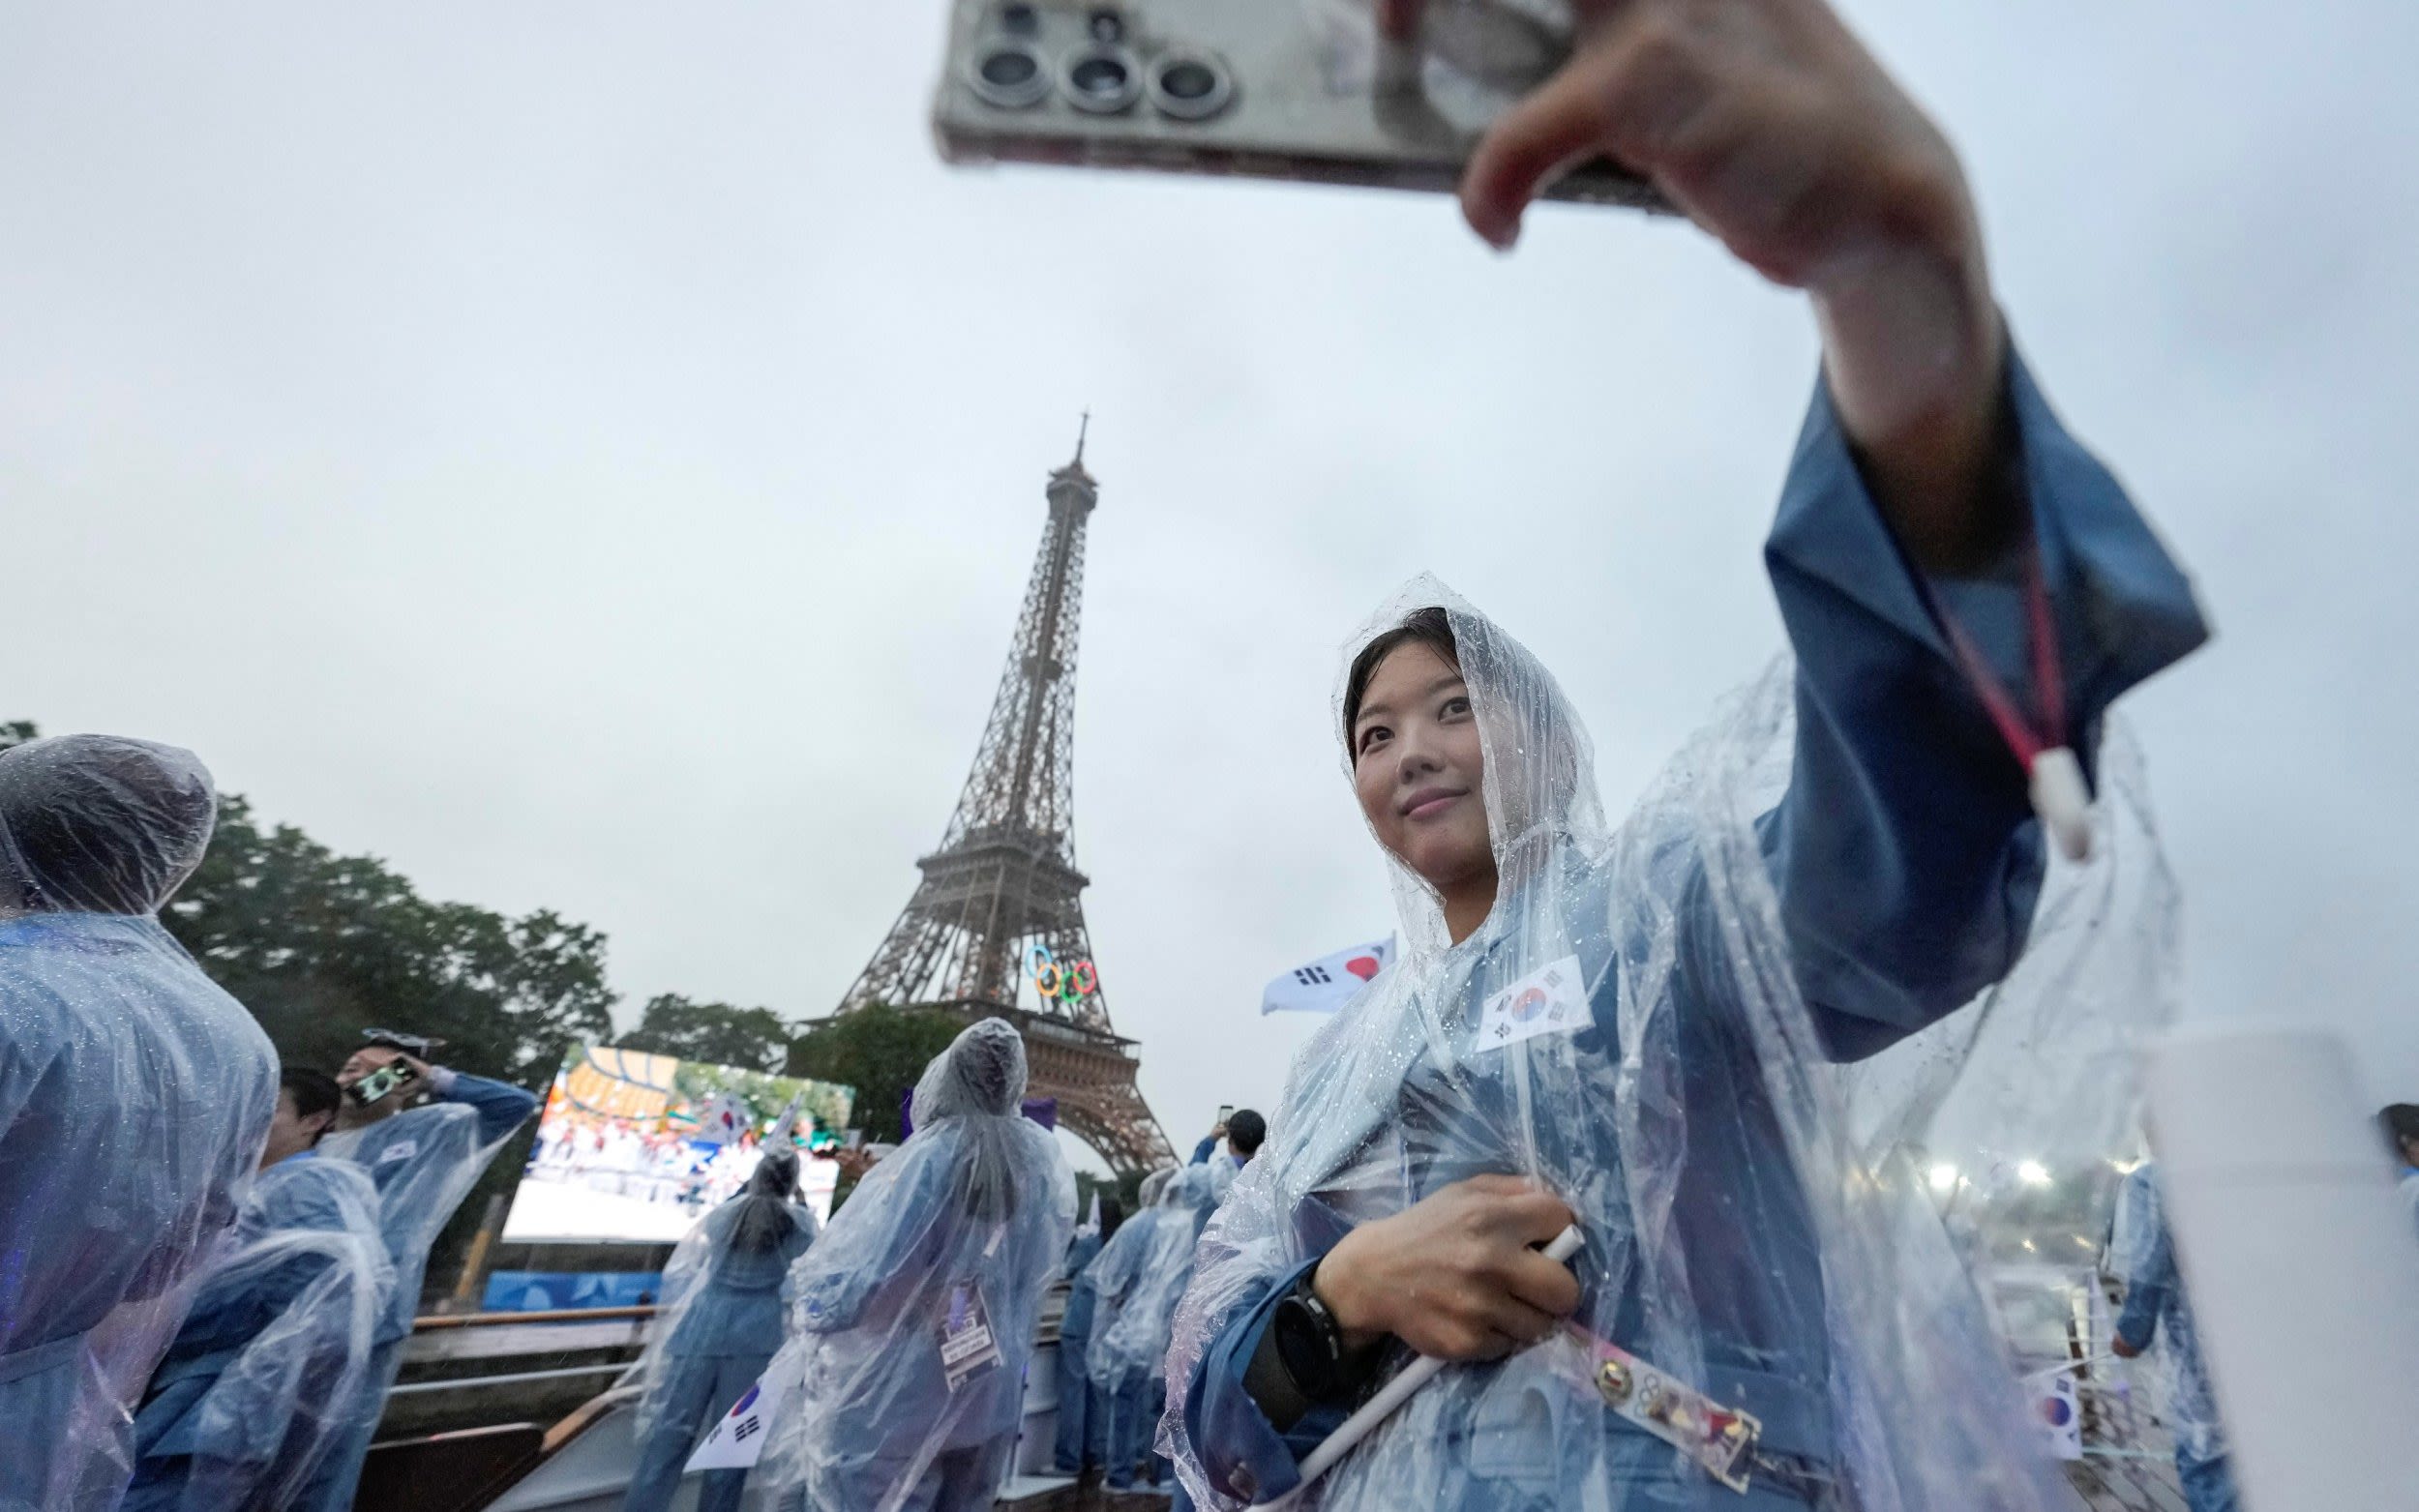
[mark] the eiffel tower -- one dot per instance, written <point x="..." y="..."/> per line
<point x="1001" y="903"/>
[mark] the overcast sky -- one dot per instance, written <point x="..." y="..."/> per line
<point x="590" y="456"/>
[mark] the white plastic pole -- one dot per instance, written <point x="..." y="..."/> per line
<point x="2300" y="1259"/>
<point x="1394" y="1394"/>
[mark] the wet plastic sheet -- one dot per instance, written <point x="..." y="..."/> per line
<point x="1759" y="1220"/>
<point x="134" y="1096"/>
<point x="254" y="1394"/>
<point x="913" y="1315"/>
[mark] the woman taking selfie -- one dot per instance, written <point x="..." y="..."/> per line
<point x="1635" y="1032"/>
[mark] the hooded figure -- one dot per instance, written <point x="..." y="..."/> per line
<point x="717" y="1330"/>
<point x="913" y="1315"/>
<point x="133" y="1099"/>
<point x="1141" y="1280"/>
<point x="252" y="1397"/>
<point x="1641" y="1032"/>
<point x="423" y="1145"/>
<point x="1111" y="1427"/>
<point x="1075" y="1337"/>
<point x="2142" y="1254"/>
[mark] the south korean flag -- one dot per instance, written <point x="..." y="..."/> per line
<point x="1328" y="982"/>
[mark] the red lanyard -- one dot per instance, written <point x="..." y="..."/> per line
<point x="2053" y="774"/>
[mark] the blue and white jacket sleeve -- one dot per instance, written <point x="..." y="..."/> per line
<point x="500" y="1105"/>
<point x="1900" y="782"/>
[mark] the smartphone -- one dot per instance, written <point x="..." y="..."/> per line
<point x="387" y="1078"/>
<point x="1226" y="1110"/>
<point x="1307" y="90"/>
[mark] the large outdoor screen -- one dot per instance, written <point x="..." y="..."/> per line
<point x="639" y="1146"/>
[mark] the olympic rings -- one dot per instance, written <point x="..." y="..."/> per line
<point x="1064" y="984"/>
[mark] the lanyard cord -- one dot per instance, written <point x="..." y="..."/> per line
<point x="2052" y="772"/>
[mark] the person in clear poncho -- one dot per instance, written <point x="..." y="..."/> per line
<point x="1068" y="1451"/>
<point x="2156" y="1313"/>
<point x="1141" y="1281"/>
<point x="1640" y="1032"/>
<point x="914" y="1315"/>
<point x="1111" y="1427"/>
<point x="135" y="1095"/>
<point x="250" y="1396"/>
<point x="423" y="1145"/>
<point x="718" y="1328"/>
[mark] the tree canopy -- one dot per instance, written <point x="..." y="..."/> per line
<point x="753" y="1038"/>
<point x="322" y="946"/>
<point x="879" y="1050"/>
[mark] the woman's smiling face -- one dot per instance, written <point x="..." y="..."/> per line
<point x="1418" y="769"/>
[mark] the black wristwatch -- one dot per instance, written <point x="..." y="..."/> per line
<point x="1310" y="1344"/>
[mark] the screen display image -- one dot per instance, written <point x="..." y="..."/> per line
<point x="638" y="1146"/>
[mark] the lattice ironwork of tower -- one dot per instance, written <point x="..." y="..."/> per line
<point x="1002" y="887"/>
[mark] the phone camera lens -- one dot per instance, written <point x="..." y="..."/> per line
<point x="1020" y="20"/>
<point x="1010" y="75"/>
<point x="1190" y="86"/>
<point x="1107" y="26"/>
<point x="1101" y="81"/>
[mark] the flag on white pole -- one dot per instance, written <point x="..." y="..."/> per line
<point x="739" y="1437"/>
<point x="1328" y="982"/>
<point x="2061" y="1412"/>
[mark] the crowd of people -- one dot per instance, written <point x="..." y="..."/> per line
<point x="643" y="1159"/>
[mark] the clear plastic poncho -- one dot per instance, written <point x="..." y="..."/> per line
<point x="913" y="1315"/>
<point x="253" y="1393"/>
<point x="134" y="1096"/>
<point x="1149" y="1275"/>
<point x="721" y="1293"/>
<point x="1757" y="1219"/>
<point x="2142" y="1254"/>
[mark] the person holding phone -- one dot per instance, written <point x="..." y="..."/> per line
<point x="1625" y="1031"/>
<point x="1242" y="1129"/>
<point x="254" y="1391"/>
<point x="424" y="1131"/>
<point x="135" y="1095"/>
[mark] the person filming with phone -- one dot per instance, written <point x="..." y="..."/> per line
<point x="424" y="1131"/>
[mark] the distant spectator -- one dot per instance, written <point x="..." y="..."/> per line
<point x="2142" y="1256"/>
<point x="2401" y="1122"/>
<point x="1243" y="1131"/>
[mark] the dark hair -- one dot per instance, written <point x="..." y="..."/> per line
<point x="1245" y="1130"/>
<point x="2400" y="1121"/>
<point x="1428" y="627"/>
<point x="764" y="1207"/>
<point x="1111" y="1214"/>
<point x="313" y="1091"/>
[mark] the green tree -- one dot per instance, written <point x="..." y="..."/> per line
<point x="880" y="1051"/>
<point x="717" y="1033"/>
<point x="16" y="732"/>
<point x="322" y="946"/>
